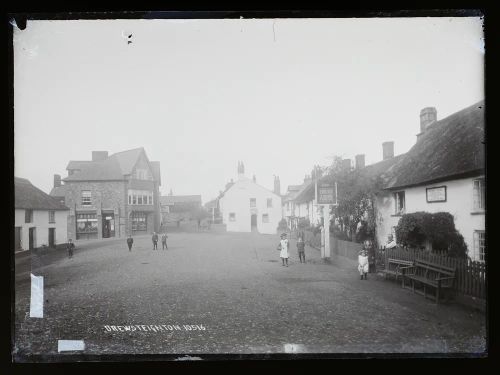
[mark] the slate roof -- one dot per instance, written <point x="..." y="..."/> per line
<point x="78" y="164"/>
<point x="112" y="168"/>
<point x="450" y="148"/>
<point x="28" y="196"/>
<point x="172" y="199"/>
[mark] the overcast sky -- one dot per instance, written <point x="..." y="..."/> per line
<point x="199" y="95"/>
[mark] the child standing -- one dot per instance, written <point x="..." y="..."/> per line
<point x="70" y="246"/>
<point x="130" y="241"/>
<point x="301" y="248"/>
<point x="283" y="247"/>
<point x="164" y="241"/>
<point x="363" y="263"/>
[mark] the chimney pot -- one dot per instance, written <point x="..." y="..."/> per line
<point x="57" y="180"/>
<point x="277" y="187"/>
<point x="388" y="150"/>
<point x="360" y="161"/>
<point x="428" y="115"/>
<point x="99" y="155"/>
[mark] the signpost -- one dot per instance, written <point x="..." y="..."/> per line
<point x="326" y="196"/>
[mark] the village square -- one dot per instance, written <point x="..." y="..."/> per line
<point x="242" y="195"/>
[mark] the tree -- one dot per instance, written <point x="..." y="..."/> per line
<point x="282" y="225"/>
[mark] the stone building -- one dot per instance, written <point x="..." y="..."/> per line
<point x="111" y="196"/>
<point x="175" y="208"/>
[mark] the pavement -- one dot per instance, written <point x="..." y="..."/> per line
<point x="228" y="293"/>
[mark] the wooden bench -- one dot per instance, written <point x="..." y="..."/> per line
<point x="396" y="267"/>
<point x="429" y="274"/>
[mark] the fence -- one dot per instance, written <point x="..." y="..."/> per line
<point x="470" y="276"/>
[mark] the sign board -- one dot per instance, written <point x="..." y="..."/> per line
<point x="436" y="194"/>
<point x="327" y="193"/>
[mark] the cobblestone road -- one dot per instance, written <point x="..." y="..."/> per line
<point x="233" y="286"/>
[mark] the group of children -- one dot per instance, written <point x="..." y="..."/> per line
<point x="363" y="256"/>
<point x="283" y="247"/>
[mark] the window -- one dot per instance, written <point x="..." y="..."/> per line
<point x="265" y="218"/>
<point x="142" y="197"/>
<point x="28" y="216"/>
<point x="139" y="221"/>
<point x="232" y="216"/>
<point x="86" y="223"/>
<point x="143" y="174"/>
<point x="478" y="197"/>
<point x="480" y="245"/>
<point x="52" y="216"/>
<point x="399" y="198"/>
<point x="86" y="198"/>
<point x="269" y="202"/>
<point x="253" y="202"/>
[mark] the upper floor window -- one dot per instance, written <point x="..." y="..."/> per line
<point x="478" y="194"/>
<point x="399" y="198"/>
<point x="232" y="216"/>
<point x="480" y="244"/>
<point x="52" y="216"/>
<point x="28" y="216"/>
<point x="265" y="218"/>
<point x="269" y="202"/>
<point x="142" y="197"/>
<point x="86" y="198"/>
<point x="253" y="202"/>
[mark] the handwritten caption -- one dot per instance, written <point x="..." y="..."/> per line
<point x="155" y="328"/>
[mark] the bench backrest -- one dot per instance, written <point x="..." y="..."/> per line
<point x="400" y="262"/>
<point x="433" y="270"/>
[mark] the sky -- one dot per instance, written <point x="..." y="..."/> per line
<point x="281" y="95"/>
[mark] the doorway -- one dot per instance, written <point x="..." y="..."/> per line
<point x="52" y="237"/>
<point x="32" y="238"/>
<point x="108" y="225"/>
<point x="253" y="222"/>
<point x="17" y="239"/>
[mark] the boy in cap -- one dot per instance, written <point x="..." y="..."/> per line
<point x="301" y="248"/>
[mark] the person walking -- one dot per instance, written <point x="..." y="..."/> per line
<point x="301" y="245"/>
<point x="363" y="263"/>
<point x="283" y="247"/>
<point x="70" y="246"/>
<point x="164" y="241"/>
<point x="130" y="241"/>
<point x="155" y="241"/>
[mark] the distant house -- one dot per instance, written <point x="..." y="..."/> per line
<point x="443" y="171"/>
<point x="39" y="218"/>
<point x="111" y="196"/>
<point x="298" y="203"/>
<point x="179" y="207"/>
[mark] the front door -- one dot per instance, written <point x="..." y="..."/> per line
<point x="17" y="239"/>
<point x="52" y="237"/>
<point x="108" y="225"/>
<point x="32" y="238"/>
<point x="254" y="222"/>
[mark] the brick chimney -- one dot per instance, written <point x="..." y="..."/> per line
<point x="307" y="179"/>
<point x="360" y="161"/>
<point x="427" y="116"/>
<point x="241" y="170"/>
<point x="57" y="180"/>
<point x="277" y="187"/>
<point x="99" y="155"/>
<point x="387" y="150"/>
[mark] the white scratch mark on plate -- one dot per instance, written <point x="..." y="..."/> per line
<point x="36" y="300"/>
<point x="70" y="345"/>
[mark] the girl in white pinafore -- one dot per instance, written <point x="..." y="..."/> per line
<point x="283" y="246"/>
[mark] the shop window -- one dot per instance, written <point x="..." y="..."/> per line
<point x="139" y="221"/>
<point x="86" y="223"/>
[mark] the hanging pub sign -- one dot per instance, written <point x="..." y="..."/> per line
<point x="327" y="193"/>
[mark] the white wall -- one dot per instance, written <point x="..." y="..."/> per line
<point x="42" y="225"/>
<point x="459" y="203"/>
<point x="237" y="200"/>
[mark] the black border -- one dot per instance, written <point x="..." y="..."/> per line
<point x="467" y="9"/>
<point x="436" y="187"/>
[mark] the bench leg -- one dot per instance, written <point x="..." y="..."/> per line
<point x="425" y="292"/>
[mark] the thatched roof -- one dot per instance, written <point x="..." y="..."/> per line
<point x="28" y="196"/>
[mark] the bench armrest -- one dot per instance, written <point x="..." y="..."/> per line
<point x="405" y="267"/>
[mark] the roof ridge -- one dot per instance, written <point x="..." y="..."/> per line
<point x="121" y="152"/>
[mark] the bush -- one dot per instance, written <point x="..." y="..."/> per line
<point x="303" y="223"/>
<point x="415" y="229"/>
